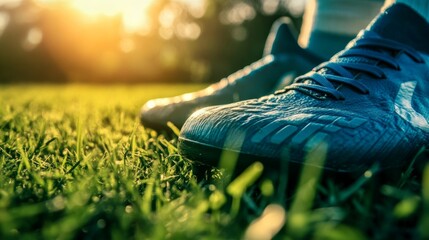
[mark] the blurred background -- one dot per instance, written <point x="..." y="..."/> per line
<point x="134" y="41"/>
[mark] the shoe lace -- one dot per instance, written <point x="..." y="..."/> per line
<point x="326" y="79"/>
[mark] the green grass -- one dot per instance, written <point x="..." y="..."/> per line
<point x="76" y="163"/>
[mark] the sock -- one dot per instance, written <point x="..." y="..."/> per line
<point x="420" y="6"/>
<point x="328" y="25"/>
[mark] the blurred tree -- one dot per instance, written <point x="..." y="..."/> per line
<point x="22" y="57"/>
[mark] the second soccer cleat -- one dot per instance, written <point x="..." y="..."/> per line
<point x="283" y="56"/>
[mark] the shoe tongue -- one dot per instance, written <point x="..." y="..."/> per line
<point x="282" y="38"/>
<point x="399" y="23"/>
<point x="402" y="24"/>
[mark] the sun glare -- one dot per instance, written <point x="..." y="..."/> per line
<point x="134" y="13"/>
<point x="98" y="7"/>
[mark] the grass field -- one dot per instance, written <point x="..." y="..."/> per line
<point x="76" y="163"/>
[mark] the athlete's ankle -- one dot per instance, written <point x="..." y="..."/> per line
<point x="325" y="20"/>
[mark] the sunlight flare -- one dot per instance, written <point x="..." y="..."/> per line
<point x="135" y="14"/>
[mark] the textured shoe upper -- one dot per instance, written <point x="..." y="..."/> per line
<point x="369" y="103"/>
<point x="282" y="56"/>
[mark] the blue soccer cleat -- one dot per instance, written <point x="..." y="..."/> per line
<point x="282" y="56"/>
<point x="369" y="104"/>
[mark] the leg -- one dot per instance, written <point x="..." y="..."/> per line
<point x="328" y="25"/>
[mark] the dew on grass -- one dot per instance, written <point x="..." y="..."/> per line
<point x="129" y="209"/>
<point x="368" y="174"/>
<point x="56" y="204"/>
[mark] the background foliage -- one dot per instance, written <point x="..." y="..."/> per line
<point x="178" y="40"/>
